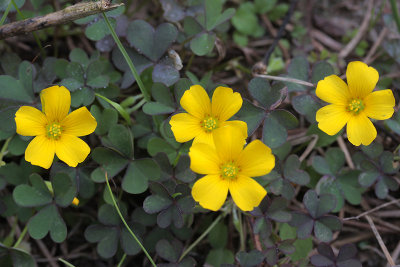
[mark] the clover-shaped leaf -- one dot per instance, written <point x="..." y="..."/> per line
<point x="326" y="257"/>
<point x="32" y="196"/>
<point x="170" y="208"/>
<point x="293" y="173"/>
<point x="250" y="259"/>
<point x="171" y="251"/>
<point x="48" y="219"/>
<point x="322" y="224"/>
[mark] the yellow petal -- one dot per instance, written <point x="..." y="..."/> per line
<point x="56" y="101"/>
<point x="239" y="125"/>
<point x="30" y="121"/>
<point x="361" y="79"/>
<point x="40" y="151"/>
<point x="210" y="191"/>
<point x="196" y="102"/>
<point x="229" y="142"/>
<point x="332" y="118"/>
<point x="379" y="105"/>
<point x="360" y="130"/>
<point x="80" y="122"/>
<point x="256" y="159"/>
<point x="332" y="89"/>
<point x="71" y="149"/>
<point x="185" y="127"/>
<point x="204" y="159"/>
<point x="225" y="103"/>
<point x="204" y="138"/>
<point x="246" y="192"/>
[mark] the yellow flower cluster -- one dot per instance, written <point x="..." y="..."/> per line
<point x="218" y="149"/>
<point x="55" y="131"/>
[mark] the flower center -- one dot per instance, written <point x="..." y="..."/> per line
<point x="53" y="130"/>
<point x="229" y="170"/>
<point x="355" y="106"/>
<point x="209" y="123"/>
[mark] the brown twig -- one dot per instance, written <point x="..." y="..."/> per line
<point x="368" y="59"/>
<point x="362" y="30"/>
<point x="66" y="15"/>
<point x="347" y="155"/>
<point x="372" y="210"/>
<point x="47" y="254"/>
<point x="380" y="241"/>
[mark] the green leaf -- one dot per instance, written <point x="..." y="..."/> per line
<point x="32" y="196"/>
<point x="219" y="256"/>
<point x="261" y="90"/>
<point x="264" y="6"/>
<point x="298" y="69"/>
<point x="306" y="105"/>
<point x="64" y="189"/>
<point x="118" y="107"/>
<point x="167" y="251"/>
<point x="245" y="20"/>
<point x="156" y="203"/>
<point x="321" y="70"/>
<point x="105" y="120"/>
<point x="366" y="179"/>
<point x="218" y="236"/>
<point x="252" y="115"/>
<point x="293" y="172"/>
<point x="165" y="73"/>
<point x="79" y="55"/>
<point x="106" y="237"/>
<point x="71" y="84"/>
<point x="157" y="145"/>
<point x="156" y="108"/>
<point x="26" y="74"/>
<point x="11" y="89"/>
<point x="321" y="166"/>
<point x="138" y="174"/>
<point x="128" y="243"/>
<point x="274" y="134"/>
<point x="202" y="44"/>
<point x="111" y="163"/>
<point x="349" y="186"/>
<point x="318" y="205"/>
<point x="98" y="30"/>
<point x="121" y="138"/>
<point x="152" y="43"/>
<point x="250" y="259"/>
<point x="75" y="71"/>
<point x="213" y="9"/>
<point x="107" y="214"/>
<point x="48" y="220"/>
<point x="83" y="96"/>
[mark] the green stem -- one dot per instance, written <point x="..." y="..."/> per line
<point x="34" y="34"/>
<point x="136" y="107"/>
<point x="395" y="13"/>
<point x="214" y="223"/>
<point x="126" y="225"/>
<point x="241" y="233"/>
<point x="122" y="260"/>
<point x="21" y="236"/>
<point x="130" y="100"/>
<point x="128" y="59"/>
<point x="66" y="262"/>
<point x="3" y="151"/>
<point x="3" y="18"/>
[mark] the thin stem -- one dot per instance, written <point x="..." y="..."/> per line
<point x="127" y="59"/>
<point x="122" y="260"/>
<point x="21" y="236"/>
<point x="136" y="107"/>
<point x="3" y="18"/>
<point x="3" y="151"/>
<point x="241" y="233"/>
<point x="126" y="225"/>
<point x="66" y="262"/>
<point x="204" y="234"/>
<point x="39" y="43"/>
<point x="395" y="11"/>
<point x="285" y="79"/>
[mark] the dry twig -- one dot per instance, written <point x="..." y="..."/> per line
<point x="347" y="155"/>
<point x="66" y="15"/>
<point x="362" y="30"/>
<point x="372" y="210"/>
<point x="380" y="241"/>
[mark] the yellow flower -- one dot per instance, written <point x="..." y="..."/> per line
<point x="228" y="167"/>
<point x="56" y="131"/>
<point x="204" y="117"/>
<point x="354" y="103"/>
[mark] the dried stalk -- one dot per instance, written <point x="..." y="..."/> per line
<point x="66" y="15"/>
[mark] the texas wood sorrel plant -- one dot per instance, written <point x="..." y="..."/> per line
<point x="199" y="133"/>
